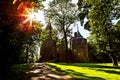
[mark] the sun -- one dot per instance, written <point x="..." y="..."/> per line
<point x="28" y="15"/>
<point x="31" y="16"/>
<point x="35" y="16"/>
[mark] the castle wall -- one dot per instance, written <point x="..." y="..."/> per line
<point x="80" y="49"/>
<point x="48" y="50"/>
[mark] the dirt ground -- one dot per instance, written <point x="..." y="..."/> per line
<point x="41" y="71"/>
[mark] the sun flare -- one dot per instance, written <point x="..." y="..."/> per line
<point x="27" y="15"/>
<point x="35" y="16"/>
<point x="31" y="16"/>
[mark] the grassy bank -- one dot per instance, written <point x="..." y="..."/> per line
<point x="89" y="71"/>
<point x="17" y="72"/>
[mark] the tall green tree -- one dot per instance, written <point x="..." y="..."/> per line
<point x="100" y="14"/>
<point x="62" y="13"/>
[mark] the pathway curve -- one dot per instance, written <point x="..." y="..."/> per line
<point x="41" y="71"/>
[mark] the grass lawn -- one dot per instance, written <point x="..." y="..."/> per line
<point x="89" y="71"/>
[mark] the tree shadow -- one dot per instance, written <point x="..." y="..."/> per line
<point x="57" y="69"/>
<point x="76" y="75"/>
<point x="82" y="76"/>
<point x="110" y="71"/>
<point x="89" y="65"/>
<point x="44" y="72"/>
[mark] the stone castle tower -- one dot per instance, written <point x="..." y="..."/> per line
<point x="78" y="52"/>
<point x="79" y="47"/>
<point x="48" y="48"/>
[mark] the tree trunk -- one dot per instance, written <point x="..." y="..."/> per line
<point x="66" y="42"/>
<point x="26" y="58"/>
<point x="4" y="50"/>
<point x="113" y="56"/>
<point x="65" y="35"/>
<point x="114" y="60"/>
<point x="66" y="47"/>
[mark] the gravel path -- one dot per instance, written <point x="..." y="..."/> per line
<point x="41" y="71"/>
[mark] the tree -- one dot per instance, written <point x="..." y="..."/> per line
<point x="100" y="16"/>
<point x="27" y="13"/>
<point x="62" y="13"/>
<point x="6" y="22"/>
<point x="11" y="38"/>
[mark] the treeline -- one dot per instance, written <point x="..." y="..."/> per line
<point x="104" y="26"/>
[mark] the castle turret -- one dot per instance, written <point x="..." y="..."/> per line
<point x="79" y="34"/>
<point x="48" y="48"/>
<point x="79" y="47"/>
<point x="49" y="27"/>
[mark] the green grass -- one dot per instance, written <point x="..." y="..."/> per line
<point x="89" y="71"/>
<point x="16" y="72"/>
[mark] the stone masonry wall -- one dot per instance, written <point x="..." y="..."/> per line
<point x="80" y="49"/>
<point x="48" y="50"/>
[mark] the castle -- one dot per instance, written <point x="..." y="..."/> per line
<point x="78" y="49"/>
<point x="48" y="48"/>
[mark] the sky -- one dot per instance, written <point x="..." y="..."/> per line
<point x="83" y="32"/>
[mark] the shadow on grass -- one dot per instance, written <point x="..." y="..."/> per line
<point x="110" y="71"/>
<point x="89" y="65"/>
<point x="76" y="75"/>
<point x="94" y="66"/>
<point x="56" y="68"/>
<point x="82" y="76"/>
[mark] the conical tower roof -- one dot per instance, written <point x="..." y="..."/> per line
<point x="79" y="34"/>
<point x="49" y="27"/>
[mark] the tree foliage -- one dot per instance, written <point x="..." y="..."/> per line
<point x="101" y="14"/>
<point x="12" y="37"/>
<point x="62" y="14"/>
